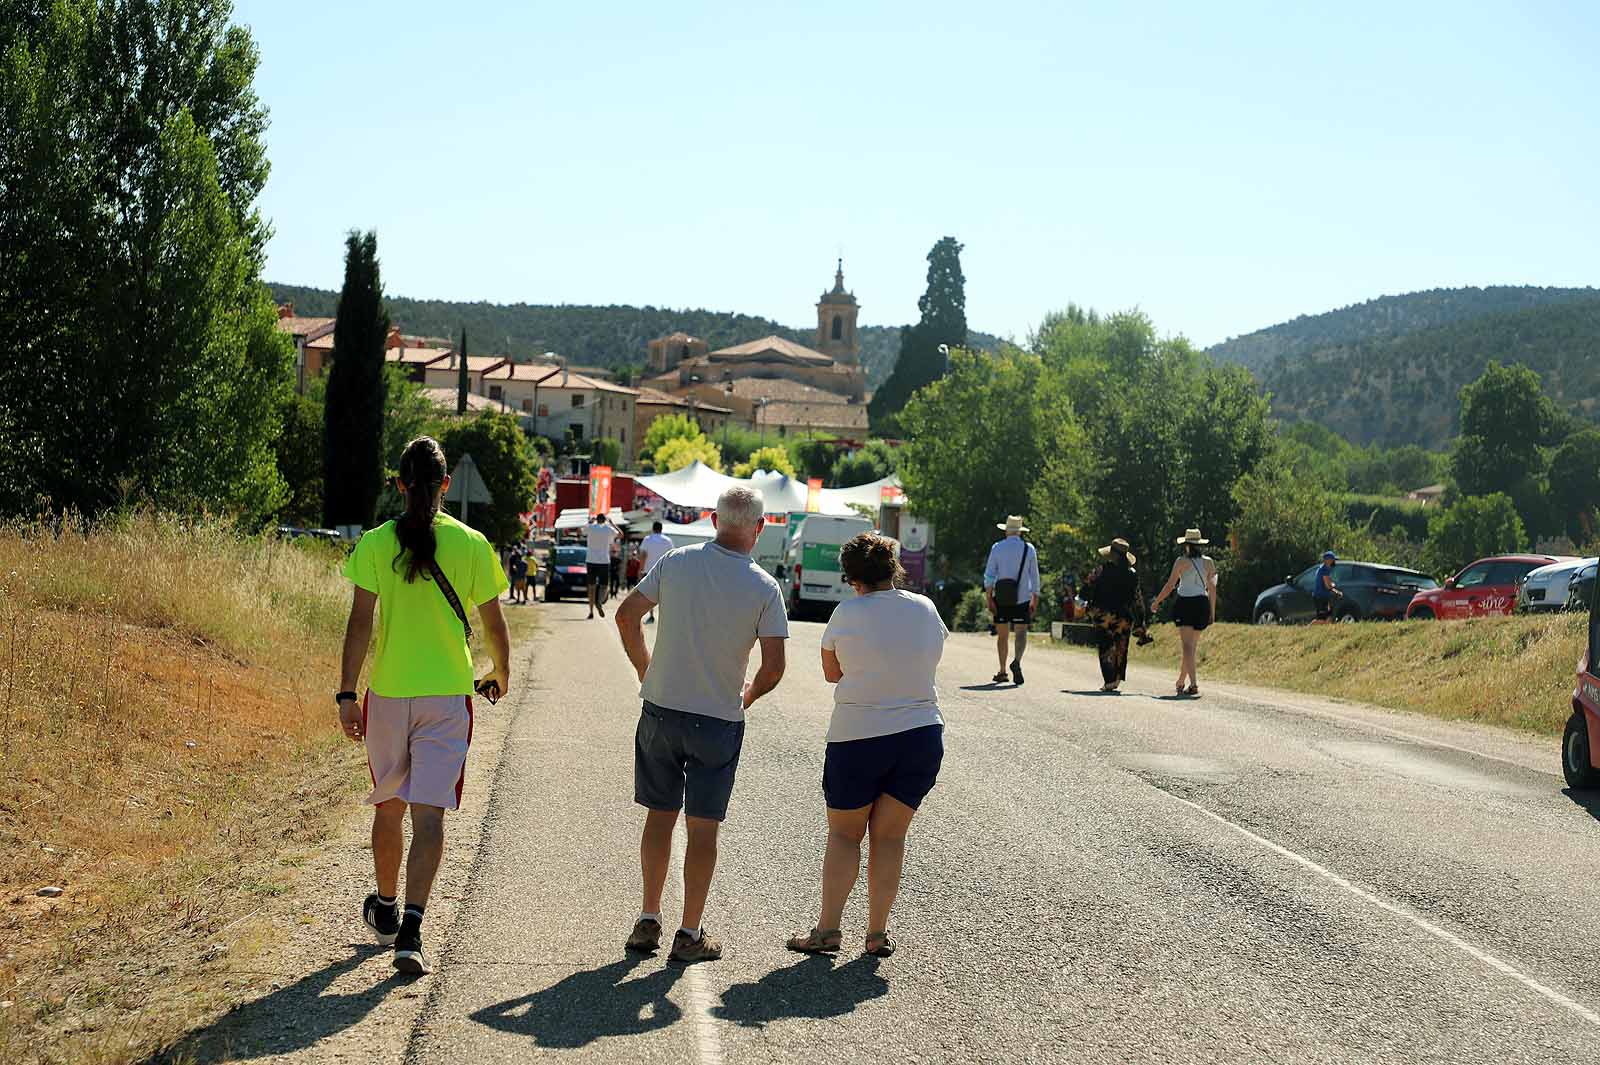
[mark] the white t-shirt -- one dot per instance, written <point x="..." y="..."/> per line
<point x="600" y="535"/>
<point x="888" y="644"/>
<point x="651" y="548"/>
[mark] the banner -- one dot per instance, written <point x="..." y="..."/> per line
<point x="892" y="495"/>
<point x="813" y="495"/>
<point x="599" y="489"/>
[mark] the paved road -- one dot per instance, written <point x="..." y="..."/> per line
<point x="1096" y="878"/>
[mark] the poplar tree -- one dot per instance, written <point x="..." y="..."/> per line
<point x="355" y="403"/>
<point x="463" y="378"/>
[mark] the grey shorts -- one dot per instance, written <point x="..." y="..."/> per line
<point x="685" y="761"/>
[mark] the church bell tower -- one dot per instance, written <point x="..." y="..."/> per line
<point x="836" y="323"/>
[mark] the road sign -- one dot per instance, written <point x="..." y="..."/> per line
<point x="467" y="487"/>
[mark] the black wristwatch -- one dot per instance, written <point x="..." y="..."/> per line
<point x="340" y="697"/>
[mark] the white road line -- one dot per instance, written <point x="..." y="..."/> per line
<point x="1383" y="904"/>
<point x="707" y="1038"/>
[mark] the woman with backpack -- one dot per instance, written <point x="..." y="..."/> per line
<point x="1194" y="577"/>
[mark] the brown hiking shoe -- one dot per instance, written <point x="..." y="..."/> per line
<point x="686" y="951"/>
<point x="646" y="936"/>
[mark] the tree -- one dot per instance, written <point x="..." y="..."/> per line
<point x="144" y="354"/>
<point x="1472" y="528"/>
<point x="500" y="451"/>
<point x="463" y="378"/>
<point x="356" y="389"/>
<point x="973" y="449"/>
<point x="300" y="456"/>
<point x="944" y="321"/>
<point x="667" y="427"/>
<point x="681" y="451"/>
<point x="1282" y="524"/>
<point x="772" y="457"/>
<point x="605" y="452"/>
<point x="1575" y="485"/>
<point x="1505" y="417"/>
<point x="873" y="461"/>
<point x="407" y="414"/>
<point x="813" y="456"/>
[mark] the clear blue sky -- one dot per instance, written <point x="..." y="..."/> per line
<point x="1222" y="166"/>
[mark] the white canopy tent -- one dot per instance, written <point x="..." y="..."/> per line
<point x="698" y="486"/>
<point x="578" y="517"/>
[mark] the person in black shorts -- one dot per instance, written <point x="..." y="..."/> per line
<point x="1011" y="583"/>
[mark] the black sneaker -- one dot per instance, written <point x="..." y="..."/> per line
<point x="646" y="936"/>
<point x="408" y="956"/>
<point x="383" y="920"/>
<point x="1016" y="673"/>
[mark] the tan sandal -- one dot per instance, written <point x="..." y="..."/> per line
<point x="815" y="941"/>
<point x="879" y="945"/>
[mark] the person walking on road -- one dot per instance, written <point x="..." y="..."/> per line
<point x="885" y="739"/>
<point x="424" y="570"/>
<point x="599" y="535"/>
<point x="1114" y="602"/>
<point x="1324" y="591"/>
<point x="519" y="577"/>
<point x="651" y="549"/>
<point x="1011" y="584"/>
<point x="716" y="604"/>
<point x="1194" y="577"/>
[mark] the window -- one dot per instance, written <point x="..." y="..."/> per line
<point x="1474" y="575"/>
<point x="577" y="399"/>
<point x="1307" y="581"/>
<point x="624" y="438"/>
<point x="544" y="410"/>
<point x="1510" y="572"/>
<point x="495" y="392"/>
<point x="1399" y="578"/>
<point x="1344" y="573"/>
<point x="527" y="406"/>
<point x="838" y="327"/>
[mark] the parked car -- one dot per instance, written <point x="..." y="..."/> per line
<point x="566" y="572"/>
<point x="1371" y="590"/>
<point x="1580" y="593"/>
<point x="1548" y="588"/>
<point x="1488" y="586"/>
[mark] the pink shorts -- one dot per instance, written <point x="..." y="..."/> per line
<point x="417" y="748"/>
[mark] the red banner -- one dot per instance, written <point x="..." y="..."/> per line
<point x="813" y="495"/>
<point x="600" y="489"/>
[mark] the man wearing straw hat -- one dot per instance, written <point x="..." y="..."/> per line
<point x="1011" y="581"/>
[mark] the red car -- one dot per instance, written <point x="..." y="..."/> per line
<point x="1577" y="754"/>
<point x="1488" y="586"/>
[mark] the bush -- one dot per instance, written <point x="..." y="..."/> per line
<point x="773" y="458"/>
<point x="1470" y="529"/>
<point x="605" y="452"/>
<point x="972" y="612"/>
<point x="1386" y="515"/>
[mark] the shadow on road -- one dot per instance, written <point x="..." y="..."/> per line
<point x="813" y="988"/>
<point x="1093" y="691"/>
<point x="989" y="686"/>
<point x="1588" y="801"/>
<point x="589" y="1005"/>
<point x="293" y="1018"/>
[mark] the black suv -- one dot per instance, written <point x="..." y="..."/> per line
<point x="1371" y="590"/>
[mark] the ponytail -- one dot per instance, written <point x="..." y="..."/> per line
<point x="422" y="471"/>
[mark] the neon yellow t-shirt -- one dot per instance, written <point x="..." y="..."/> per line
<point x="422" y="648"/>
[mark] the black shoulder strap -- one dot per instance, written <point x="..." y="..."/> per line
<point x="1023" y="564"/>
<point x="450" y="594"/>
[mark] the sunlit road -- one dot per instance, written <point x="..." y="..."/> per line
<point x="1096" y="878"/>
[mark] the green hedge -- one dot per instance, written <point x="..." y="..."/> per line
<point x="1385" y="514"/>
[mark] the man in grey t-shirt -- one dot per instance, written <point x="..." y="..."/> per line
<point x="715" y="605"/>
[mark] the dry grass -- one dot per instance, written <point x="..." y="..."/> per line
<point x="1511" y="671"/>
<point x="168" y="754"/>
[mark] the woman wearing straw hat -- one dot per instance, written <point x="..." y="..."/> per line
<point x="1114" y="603"/>
<point x="1194" y="576"/>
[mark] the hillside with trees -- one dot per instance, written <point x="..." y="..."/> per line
<point x="1404" y="389"/>
<point x="1387" y="317"/>
<point x="610" y="336"/>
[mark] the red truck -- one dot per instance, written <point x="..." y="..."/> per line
<point x="1488" y="586"/>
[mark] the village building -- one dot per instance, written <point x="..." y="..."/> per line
<point x="775" y="384"/>
<point x="652" y="403"/>
<point x="313" y="338"/>
<point x="561" y="404"/>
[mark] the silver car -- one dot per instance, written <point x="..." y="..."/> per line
<point x="1546" y="587"/>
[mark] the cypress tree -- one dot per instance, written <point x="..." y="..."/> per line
<point x="356" y="392"/>
<point x="463" y="379"/>
<point x="943" y="321"/>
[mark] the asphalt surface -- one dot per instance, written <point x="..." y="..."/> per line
<point x="1125" y="878"/>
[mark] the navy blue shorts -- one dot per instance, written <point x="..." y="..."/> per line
<point x="902" y="765"/>
<point x="685" y="761"/>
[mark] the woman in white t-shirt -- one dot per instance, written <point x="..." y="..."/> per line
<point x="886" y="738"/>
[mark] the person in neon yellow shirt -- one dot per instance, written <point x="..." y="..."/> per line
<point x="416" y="717"/>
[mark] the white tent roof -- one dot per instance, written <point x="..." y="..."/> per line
<point x="698" y="485"/>
<point x="578" y="517"/>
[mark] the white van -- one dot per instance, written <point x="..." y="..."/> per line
<point x="811" y="561"/>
